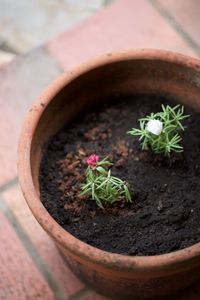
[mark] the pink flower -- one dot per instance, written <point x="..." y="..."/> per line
<point x="92" y="160"/>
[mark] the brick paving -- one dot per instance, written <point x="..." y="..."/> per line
<point x="45" y="247"/>
<point x="31" y="266"/>
<point x="27" y="24"/>
<point x="21" y="82"/>
<point x="186" y="15"/>
<point x="133" y="28"/>
<point x="20" y="278"/>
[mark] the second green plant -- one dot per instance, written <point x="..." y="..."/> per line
<point x="161" y="131"/>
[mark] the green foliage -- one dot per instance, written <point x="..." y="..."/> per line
<point x="169" y="140"/>
<point x="102" y="186"/>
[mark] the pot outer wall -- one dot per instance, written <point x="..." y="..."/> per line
<point x="117" y="286"/>
<point x="109" y="77"/>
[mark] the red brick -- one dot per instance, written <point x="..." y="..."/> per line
<point x="21" y="82"/>
<point x="45" y="246"/>
<point x="186" y="14"/>
<point x="19" y="279"/>
<point x="125" y="24"/>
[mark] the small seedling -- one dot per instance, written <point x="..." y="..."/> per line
<point x="101" y="185"/>
<point x="161" y="131"/>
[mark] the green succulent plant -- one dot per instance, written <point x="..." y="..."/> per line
<point x="101" y="185"/>
<point x="161" y="131"/>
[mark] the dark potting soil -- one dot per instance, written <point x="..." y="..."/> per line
<point x="164" y="215"/>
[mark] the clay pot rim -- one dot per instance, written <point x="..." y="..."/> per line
<point x="61" y="236"/>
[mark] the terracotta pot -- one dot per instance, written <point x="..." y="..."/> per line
<point x="125" y="73"/>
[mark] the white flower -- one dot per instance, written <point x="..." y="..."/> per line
<point x="154" y="126"/>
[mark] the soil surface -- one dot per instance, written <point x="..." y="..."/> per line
<point x="164" y="215"/>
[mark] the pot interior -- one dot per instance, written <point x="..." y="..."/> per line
<point x="116" y="79"/>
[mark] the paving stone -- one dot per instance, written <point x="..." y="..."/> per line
<point x="86" y="4"/>
<point x="121" y="25"/>
<point x="5" y="57"/>
<point x="26" y="24"/>
<point x="42" y="242"/>
<point x="21" y="82"/>
<point x="185" y="14"/>
<point x="19" y="280"/>
<point x="4" y="46"/>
